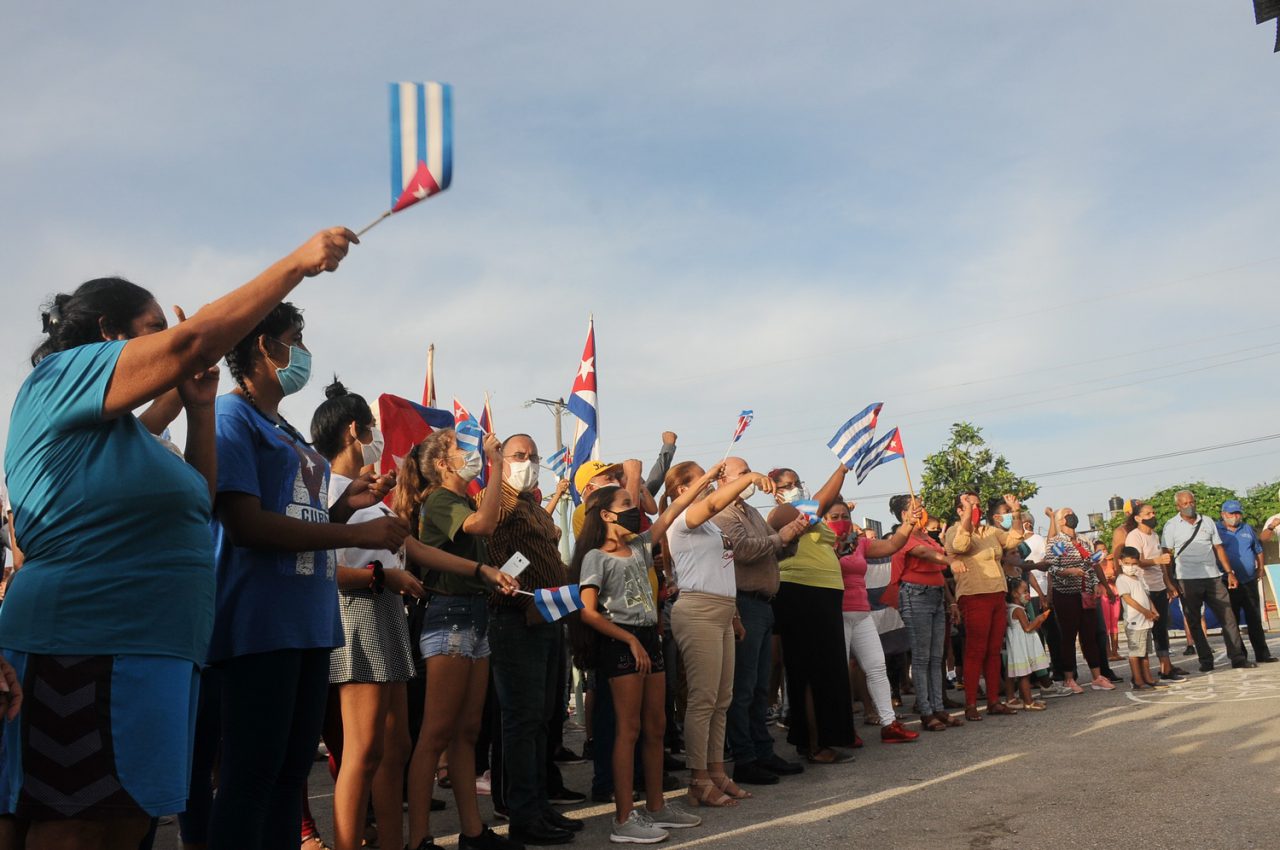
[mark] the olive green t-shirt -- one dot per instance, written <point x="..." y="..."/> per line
<point x="440" y="525"/>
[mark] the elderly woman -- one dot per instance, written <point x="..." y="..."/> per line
<point x="114" y="605"/>
<point x="1075" y="599"/>
<point x="810" y="621"/>
<point x="981" y="584"/>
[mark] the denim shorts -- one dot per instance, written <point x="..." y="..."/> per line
<point x="457" y="626"/>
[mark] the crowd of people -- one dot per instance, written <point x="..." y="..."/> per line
<point x="188" y="624"/>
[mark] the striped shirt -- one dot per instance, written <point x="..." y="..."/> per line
<point x="524" y="527"/>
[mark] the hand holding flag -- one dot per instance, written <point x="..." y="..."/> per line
<point x="744" y="422"/>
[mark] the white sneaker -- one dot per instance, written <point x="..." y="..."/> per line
<point x="636" y="830"/>
<point x="484" y="784"/>
<point x="672" y="817"/>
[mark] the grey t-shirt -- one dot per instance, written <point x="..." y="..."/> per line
<point x="626" y="597"/>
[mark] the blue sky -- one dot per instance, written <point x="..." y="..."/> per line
<point x="1057" y="225"/>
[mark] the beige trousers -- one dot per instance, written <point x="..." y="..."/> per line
<point x="703" y="628"/>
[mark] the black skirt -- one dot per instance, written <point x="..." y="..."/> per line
<point x="810" y="621"/>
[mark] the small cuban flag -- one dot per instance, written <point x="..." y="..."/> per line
<point x="469" y="436"/>
<point x="887" y="448"/>
<point x="558" y="463"/>
<point x="854" y="436"/>
<point x="808" y="507"/>
<point x="556" y="602"/>
<point x="421" y="144"/>
<point x="744" y="421"/>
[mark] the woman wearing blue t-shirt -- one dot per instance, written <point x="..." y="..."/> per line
<point x="111" y="612"/>
<point x="276" y="613"/>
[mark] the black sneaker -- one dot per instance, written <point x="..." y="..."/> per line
<point x="1175" y="677"/>
<point x="565" y="797"/>
<point x="425" y="844"/>
<point x="1206" y="668"/>
<point x="564" y="755"/>
<point x="488" y="840"/>
<point x="1190" y="650"/>
<point x="1243" y="665"/>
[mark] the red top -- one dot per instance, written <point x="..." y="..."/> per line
<point x="918" y="570"/>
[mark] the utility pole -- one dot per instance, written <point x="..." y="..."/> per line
<point x="558" y="409"/>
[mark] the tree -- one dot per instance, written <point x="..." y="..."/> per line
<point x="967" y="463"/>
<point x="1209" y="499"/>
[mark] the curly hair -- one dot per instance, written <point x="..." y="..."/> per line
<point x="418" y="475"/>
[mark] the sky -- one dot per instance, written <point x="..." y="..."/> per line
<point x="1057" y="226"/>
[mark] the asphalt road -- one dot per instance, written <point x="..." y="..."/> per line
<point x="1195" y="766"/>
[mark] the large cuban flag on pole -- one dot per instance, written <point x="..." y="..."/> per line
<point x="584" y="404"/>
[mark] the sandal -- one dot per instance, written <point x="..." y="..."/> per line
<point x="1036" y="705"/>
<point x="442" y="777"/>
<point x="947" y="719"/>
<point x="729" y="787"/>
<point x="711" y="797"/>
<point x="971" y="714"/>
<point x="1000" y="708"/>
<point x="932" y="723"/>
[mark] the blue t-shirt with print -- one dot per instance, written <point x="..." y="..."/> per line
<point x="114" y="526"/>
<point x="270" y="600"/>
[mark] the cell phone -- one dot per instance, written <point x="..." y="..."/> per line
<point x="515" y="565"/>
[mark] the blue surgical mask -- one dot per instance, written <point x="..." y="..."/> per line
<point x="1006" y="521"/>
<point x="294" y="376"/>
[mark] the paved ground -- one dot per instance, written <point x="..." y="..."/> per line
<point x="1200" y="762"/>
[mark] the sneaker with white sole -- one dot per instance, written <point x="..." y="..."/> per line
<point x="1056" y="690"/>
<point x="1102" y="683"/>
<point x="636" y="829"/>
<point x="672" y="817"/>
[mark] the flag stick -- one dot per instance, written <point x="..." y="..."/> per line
<point x="523" y="592"/>
<point x="429" y="387"/>
<point x="910" y="489"/>
<point x="372" y="224"/>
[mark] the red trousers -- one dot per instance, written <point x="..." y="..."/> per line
<point x="984" y="618"/>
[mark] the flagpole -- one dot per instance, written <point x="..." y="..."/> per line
<point x="429" y="388"/>
<point x="910" y="489"/>
<point x="372" y="224"/>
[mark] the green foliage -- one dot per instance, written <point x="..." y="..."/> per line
<point x="967" y="463"/>
<point x="1259" y="503"/>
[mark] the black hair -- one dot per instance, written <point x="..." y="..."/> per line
<point x="960" y="498"/>
<point x="1130" y="552"/>
<point x="340" y="408"/>
<point x="105" y="303"/>
<point x="1012" y="585"/>
<point x="898" y="504"/>
<point x="993" y="504"/>
<point x="240" y="359"/>
<point x="583" y="638"/>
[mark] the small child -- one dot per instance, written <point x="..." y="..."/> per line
<point x="1139" y="615"/>
<point x="1024" y="653"/>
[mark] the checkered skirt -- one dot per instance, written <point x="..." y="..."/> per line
<point x="377" y="633"/>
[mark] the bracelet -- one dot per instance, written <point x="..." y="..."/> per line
<point x="378" y="581"/>
<point x="476" y="572"/>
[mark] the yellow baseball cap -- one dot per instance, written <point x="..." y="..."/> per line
<point x="590" y="470"/>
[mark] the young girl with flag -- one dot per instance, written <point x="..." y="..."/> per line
<point x="611" y="563"/>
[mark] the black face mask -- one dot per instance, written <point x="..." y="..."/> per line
<point x="1149" y="522"/>
<point x="630" y="519"/>
<point x="1071" y="521"/>
<point x="936" y="535"/>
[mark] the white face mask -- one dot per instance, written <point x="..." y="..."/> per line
<point x="371" y="453"/>
<point x="1130" y="569"/>
<point x="793" y="494"/>
<point x="471" y="466"/>
<point x="522" y="475"/>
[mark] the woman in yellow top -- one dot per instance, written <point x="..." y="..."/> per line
<point x="810" y="622"/>
<point x="981" y="584"/>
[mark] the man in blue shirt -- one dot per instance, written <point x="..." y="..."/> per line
<point x="1244" y="553"/>
<point x="1199" y="562"/>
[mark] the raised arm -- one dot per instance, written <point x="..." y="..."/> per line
<point x="829" y="492"/>
<point x="484" y="521"/>
<point x="885" y="548"/>
<point x="725" y="495"/>
<point x="663" y="463"/>
<point x="152" y="364"/>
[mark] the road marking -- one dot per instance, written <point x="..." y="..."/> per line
<point x="801" y="818"/>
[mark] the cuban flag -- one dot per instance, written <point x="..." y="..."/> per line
<point x="558" y="463"/>
<point x="744" y="421"/>
<point x="404" y="424"/>
<point x="887" y="448"/>
<point x="556" y="602"/>
<point x="421" y="141"/>
<point x="856" y="435"/>
<point x="808" y="507"/>
<point x="583" y="403"/>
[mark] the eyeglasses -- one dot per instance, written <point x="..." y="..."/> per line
<point x="520" y="457"/>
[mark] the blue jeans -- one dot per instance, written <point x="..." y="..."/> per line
<point x="525" y="661"/>
<point x="747" y="733"/>
<point x="923" y="609"/>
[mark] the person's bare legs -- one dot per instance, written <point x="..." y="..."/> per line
<point x="388" y="782"/>
<point x="462" y="751"/>
<point x="653" y="729"/>
<point x="448" y="679"/>
<point x="628" y="693"/>
<point x="364" y="709"/>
